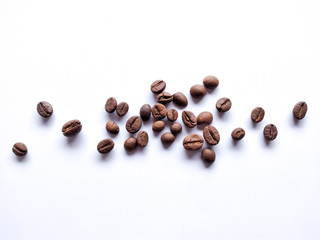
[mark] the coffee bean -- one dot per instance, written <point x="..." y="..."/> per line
<point x="172" y="115"/>
<point x="210" y="82"/>
<point x="204" y="118"/>
<point x="71" y="128"/>
<point x="133" y="124"/>
<point x="300" y="110"/>
<point x="44" y="109"/>
<point x="122" y="109"/>
<point x="270" y="132"/>
<point x="19" y="149"/>
<point x="112" y="127"/>
<point x="130" y="144"/>
<point x="180" y="99"/>
<point x="164" y="98"/>
<point x="158" y="126"/>
<point x="111" y="105"/>
<point x="145" y="112"/>
<point x="176" y="128"/>
<point x="238" y="133"/>
<point x="257" y="114"/>
<point x="193" y="142"/>
<point x="158" y="86"/>
<point x="189" y="119"/>
<point x="198" y="91"/>
<point x="211" y="135"/>
<point x="142" y="139"/>
<point x="105" y="146"/>
<point x="167" y="138"/>
<point x="208" y="155"/>
<point x="223" y="104"/>
<point x="159" y="111"/>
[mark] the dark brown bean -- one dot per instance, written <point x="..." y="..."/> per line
<point x="176" y="128"/>
<point x="164" y="98"/>
<point x="105" y="146"/>
<point x="159" y="111"/>
<point x="145" y="112"/>
<point x="20" y="149"/>
<point x="270" y="132"/>
<point x="44" y="109"/>
<point x="193" y="142"/>
<point x="198" y="91"/>
<point x="223" y="104"/>
<point x="211" y="135"/>
<point x="142" y="139"/>
<point x="172" y="115"/>
<point x="122" y="109"/>
<point x="158" y="126"/>
<point x="133" y="124"/>
<point x="300" y="110"/>
<point x="112" y="127"/>
<point x="238" y="133"/>
<point x="71" y="128"/>
<point x="180" y="99"/>
<point x="167" y="138"/>
<point x="204" y="118"/>
<point x="210" y="82"/>
<point x="130" y="144"/>
<point x="158" y="86"/>
<point x="208" y="155"/>
<point x="111" y="105"/>
<point x="189" y="119"/>
<point x="257" y="114"/>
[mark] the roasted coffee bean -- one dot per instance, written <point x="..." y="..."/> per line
<point x="172" y="115"/>
<point x="158" y="86"/>
<point x="180" y="99"/>
<point x="210" y="82"/>
<point x="105" y="146"/>
<point x="198" y="91"/>
<point x="300" y="110"/>
<point x="159" y="111"/>
<point x="122" y="109"/>
<point x="44" y="109"/>
<point x="257" y="114"/>
<point x="189" y="119"/>
<point x="19" y="149"/>
<point x="130" y="144"/>
<point x="193" y="142"/>
<point x="204" y="118"/>
<point x="111" y="105"/>
<point x="211" y="135"/>
<point x="71" y="128"/>
<point x="142" y="139"/>
<point x="208" y="155"/>
<point x="270" y="132"/>
<point x="112" y="127"/>
<point x="158" y="126"/>
<point x="176" y="128"/>
<point x="133" y="124"/>
<point x="145" y="112"/>
<point x="223" y="104"/>
<point x="167" y="138"/>
<point x="164" y="98"/>
<point x="238" y="133"/>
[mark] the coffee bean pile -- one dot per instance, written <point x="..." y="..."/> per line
<point x="159" y="112"/>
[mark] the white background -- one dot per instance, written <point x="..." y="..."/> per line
<point x="76" y="54"/>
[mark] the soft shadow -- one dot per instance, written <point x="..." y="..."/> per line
<point x="191" y="154"/>
<point x="268" y="143"/>
<point x="129" y="153"/>
<point x="179" y="107"/>
<point x="236" y="144"/>
<point x="207" y="165"/>
<point x="114" y="117"/>
<point x="74" y="140"/>
<point x="253" y="124"/>
<point x="197" y="100"/>
<point x="46" y="121"/>
<point x="202" y="126"/>
<point x="22" y="159"/>
<point x="166" y="145"/>
<point x="296" y="122"/>
<point x="222" y="115"/>
<point x="105" y="156"/>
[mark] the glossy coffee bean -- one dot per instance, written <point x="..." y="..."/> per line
<point x="71" y="128"/>
<point x="176" y="128"/>
<point x="167" y="138"/>
<point x="142" y="139"/>
<point x="300" y="110"/>
<point x="211" y="135"/>
<point x="158" y="126"/>
<point x="257" y="114"/>
<point x="189" y="119"/>
<point x="210" y="82"/>
<point x="270" y="132"/>
<point x="238" y="134"/>
<point x="44" y="109"/>
<point x="198" y="91"/>
<point x="159" y="111"/>
<point x="158" y="86"/>
<point x="223" y="104"/>
<point x="145" y="112"/>
<point x="193" y="142"/>
<point x="180" y="99"/>
<point x="130" y="144"/>
<point x="164" y="98"/>
<point x="172" y="115"/>
<point x="111" y="105"/>
<point x="19" y="149"/>
<point x="133" y="124"/>
<point x="105" y="146"/>
<point x="208" y="155"/>
<point x="204" y="118"/>
<point x="122" y="109"/>
<point x="112" y="127"/>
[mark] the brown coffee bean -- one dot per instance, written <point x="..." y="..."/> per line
<point x="257" y="114"/>
<point x="112" y="127"/>
<point x="167" y="138"/>
<point x="164" y="98"/>
<point x="133" y="124"/>
<point x="193" y="142"/>
<point x="158" y="126"/>
<point x="111" y="105"/>
<point x="71" y="128"/>
<point x="158" y="86"/>
<point x="105" y="146"/>
<point x="122" y="109"/>
<point x="172" y="115"/>
<point x="142" y="139"/>
<point x="44" y="109"/>
<point x="238" y="133"/>
<point x="208" y="155"/>
<point x="130" y="144"/>
<point x="204" y="118"/>
<point x="210" y="82"/>
<point x="159" y="111"/>
<point x="270" y="132"/>
<point x="198" y="91"/>
<point x="176" y="128"/>
<point x="223" y="104"/>
<point x="211" y="135"/>
<point x="189" y="119"/>
<point x="300" y="110"/>
<point x="145" y="112"/>
<point x="20" y="149"/>
<point x="180" y="99"/>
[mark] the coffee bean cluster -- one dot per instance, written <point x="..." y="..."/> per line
<point x="159" y="112"/>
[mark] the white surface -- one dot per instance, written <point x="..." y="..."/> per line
<point x="76" y="54"/>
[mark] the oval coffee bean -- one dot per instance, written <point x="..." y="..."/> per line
<point x="105" y="146"/>
<point x="270" y="132"/>
<point x="211" y="135"/>
<point x="210" y="82"/>
<point x="198" y="91"/>
<point x="44" y="109"/>
<point x="158" y="126"/>
<point x="223" y="104"/>
<point x="20" y="149"/>
<point x="257" y="114"/>
<point x="208" y="155"/>
<point x="133" y="124"/>
<point x="180" y="99"/>
<point x="189" y="119"/>
<point x="172" y="115"/>
<point x="130" y="144"/>
<point x="122" y="109"/>
<point x="193" y="142"/>
<point x="167" y="138"/>
<point x="164" y="98"/>
<point x="145" y="112"/>
<point x="176" y="128"/>
<point x="71" y="128"/>
<point x="300" y="110"/>
<point x="204" y="118"/>
<point x="159" y="111"/>
<point x="112" y="127"/>
<point x="142" y="139"/>
<point x="158" y="86"/>
<point x="238" y="133"/>
<point x="111" y="105"/>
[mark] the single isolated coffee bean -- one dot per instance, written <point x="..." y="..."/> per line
<point x="257" y="114"/>
<point x="204" y="118"/>
<point x="172" y="115"/>
<point x="142" y="139"/>
<point x="208" y="155"/>
<point x="193" y="142"/>
<point x="159" y="111"/>
<point x="198" y="91"/>
<point x="112" y="127"/>
<point x="105" y="146"/>
<point x="167" y="138"/>
<point x="164" y="98"/>
<point x="223" y="104"/>
<point x="180" y="99"/>
<point x="44" y="109"/>
<point x="71" y="128"/>
<point x="20" y="149"/>
<point x="130" y="144"/>
<point x="189" y="119"/>
<point x="122" y="109"/>
<point x="133" y="124"/>
<point x="145" y="112"/>
<point x="176" y="128"/>
<point x="158" y="86"/>
<point x="211" y="135"/>
<point x="158" y="126"/>
<point x="111" y="105"/>
<point x="210" y="82"/>
<point x="300" y="110"/>
<point x="270" y="132"/>
<point x="238" y="133"/>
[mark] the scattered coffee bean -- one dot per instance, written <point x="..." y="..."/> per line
<point x="158" y="86"/>
<point x="122" y="109"/>
<point x="130" y="144"/>
<point x="71" y="128"/>
<point x="257" y="114"/>
<point x="238" y="133"/>
<point x="167" y="138"/>
<point x="208" y="155"/>
<point x="189" y="119"/>
<point x="44" y="109"/>
<point x="210" y="82"/>
<point x="176" y="128"/>
<point x="300" y="110"/>
<point x="204" y="118"/>
<point x="164" y="98"/>
<point x="211" y="135"/>
<point x="19" y="149"/>
<point x="223" y="104"/>
<point x="158" y="126"/>
<point x="133" y="124"/>
<point x="180" y="99"/>
<point x="112" y="127"/>
<point x="111" y="105"/>
<point x="198" y="91"/>
<point x="105" y="146"/>
<point x="145" y="112"/>
<point x="142" y="139"/>
<point x="270" y="132"/>
<point x="159" y="111"/>
<point x="172" y="115"/>
<point x="193" y="142"/>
